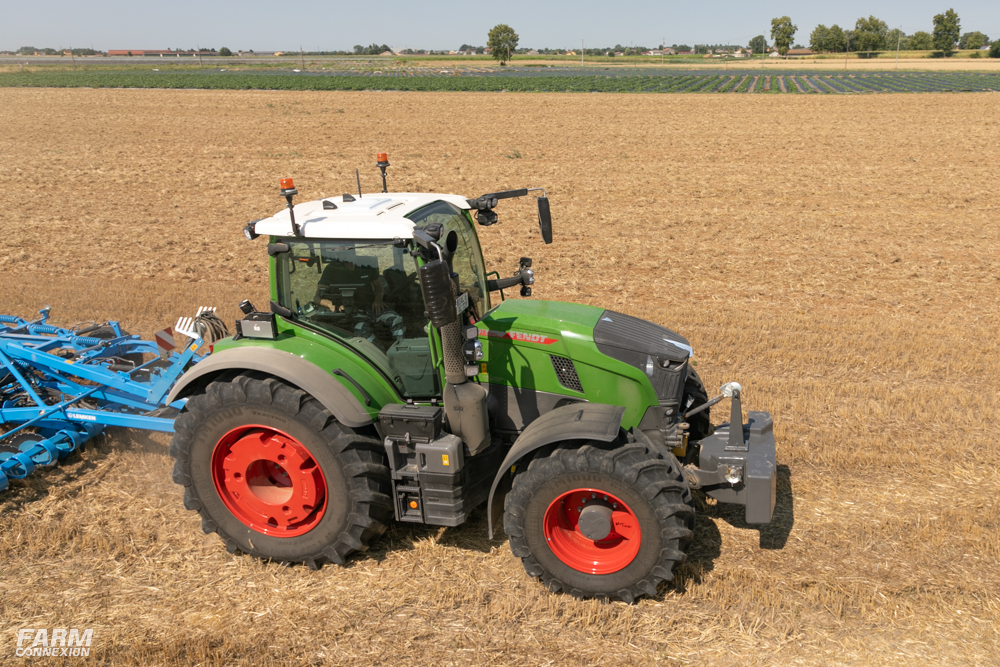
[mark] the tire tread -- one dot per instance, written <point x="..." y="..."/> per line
<point x="659" y="480"/>
<point x="361" y="457"/>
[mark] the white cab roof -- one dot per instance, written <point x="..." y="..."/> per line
<point x="372" y="216"/>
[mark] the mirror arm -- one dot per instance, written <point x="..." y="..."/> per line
<point x="524" y="277"/>
<point x="506" y="194"/>
<point x="504" y="283"/>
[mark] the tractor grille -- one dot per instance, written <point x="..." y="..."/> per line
<point x="566" y="372"/>
<point x="657" y="351"/>
<point x="668" y="381"/>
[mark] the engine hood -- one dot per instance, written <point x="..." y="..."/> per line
<point x="622" y="337"/>
<point x="552" y="324"/>
<point x="541" y="350"/>
<point x="540" y="322"/>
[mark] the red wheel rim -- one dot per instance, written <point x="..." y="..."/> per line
<point x="269" y="481"/>
<point x="572" y="547"/>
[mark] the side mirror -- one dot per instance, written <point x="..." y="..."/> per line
<point x="436" y="287"/>
<point x="545" y="219"/>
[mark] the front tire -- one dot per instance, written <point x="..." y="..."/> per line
<point x="276" y="476"/>
<point x="695" y="395"/>
<point x="600" y="523"/>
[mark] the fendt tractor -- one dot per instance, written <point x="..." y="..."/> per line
<point x="385" y="382"/>
<point x="389" y="379"/>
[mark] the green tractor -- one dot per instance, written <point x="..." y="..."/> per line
<point x="387" y="381"/>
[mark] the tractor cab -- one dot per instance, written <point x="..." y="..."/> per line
<point x="350" y="274"/>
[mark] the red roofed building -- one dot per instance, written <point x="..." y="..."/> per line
<point x="158" y="52"/>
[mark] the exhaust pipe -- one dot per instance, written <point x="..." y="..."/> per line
<point x="464" y="401"/>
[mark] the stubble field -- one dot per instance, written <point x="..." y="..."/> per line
<point x="836" y="255"/>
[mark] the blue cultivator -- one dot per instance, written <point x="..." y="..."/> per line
<point x="61" y="387"/>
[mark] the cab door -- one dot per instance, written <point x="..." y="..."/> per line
<point x="365" y="295"/>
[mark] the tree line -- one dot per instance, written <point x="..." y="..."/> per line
<point x="31" y="50"/>
<point x="869" y="35"/>
<point x="872" y="34"/>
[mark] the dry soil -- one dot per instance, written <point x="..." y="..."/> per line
<point x="837" y="255"/>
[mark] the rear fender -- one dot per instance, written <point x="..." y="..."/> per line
<point x="581" y="421"/>
<point x="291" y="368"/>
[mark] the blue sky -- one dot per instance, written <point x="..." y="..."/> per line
<point x="442" y="24"/>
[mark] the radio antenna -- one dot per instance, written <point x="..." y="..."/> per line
<point x="357" y="175"/>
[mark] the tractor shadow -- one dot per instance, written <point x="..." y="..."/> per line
<point x="706" y="544"/>
<point x="473" y="535"/>
<point x="704" y="548"/>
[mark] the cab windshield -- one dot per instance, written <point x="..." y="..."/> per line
<point x="468" y="258"/>
<point x="364" y="293"/>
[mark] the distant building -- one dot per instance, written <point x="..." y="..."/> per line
<point x="800" y="53"/>
<point x="158" y="52"/>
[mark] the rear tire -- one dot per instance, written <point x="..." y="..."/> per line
<point x="330" y="502"/>
<point x="652" y="509"/>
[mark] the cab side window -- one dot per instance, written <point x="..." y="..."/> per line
<point x="367" y="295"/>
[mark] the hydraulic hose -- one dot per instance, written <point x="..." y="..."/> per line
<point x="211" y="327"/>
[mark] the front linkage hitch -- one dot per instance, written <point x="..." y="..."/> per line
<point x="738" y="464"/>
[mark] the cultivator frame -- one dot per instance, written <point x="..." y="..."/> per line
<point x="60" y="387"/>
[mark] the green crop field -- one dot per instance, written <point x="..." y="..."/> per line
<point x="604" y="80"/>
